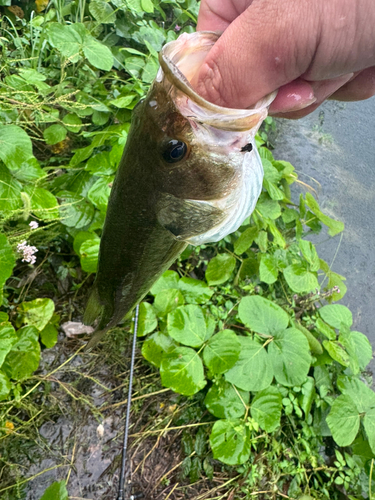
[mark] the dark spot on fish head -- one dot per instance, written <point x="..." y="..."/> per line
<point x="248" y="148"/>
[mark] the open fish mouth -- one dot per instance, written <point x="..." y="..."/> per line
<point x="190" y="173"/>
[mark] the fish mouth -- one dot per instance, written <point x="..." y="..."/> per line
<point x="180" y="61"/>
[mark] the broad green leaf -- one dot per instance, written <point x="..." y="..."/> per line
<point x="249" y="267"/>
<point x="81" y="237"/>
<point x="262" y="315"/>
<point x="5" y="386"/>
<point x="299" y="279"/>
<point x="343" y="420"/>
<point x="147" y="6"/>
<point x="168" y="280"/>
<point x="7" y="262"/>
<point x="122" y="102"/>
<point x="314" y="344"/>
<point x="278" y="238"/>
<point x="29" y="171"/>
<point x="369" y="425"/>
<point x="325" y="329"/>
<point x="195" y="291"/>
<point x="15" y="146"/>
<point x="362" y="396"/>
<point x="230" y="441"/>
<point x="42" y="203"/>
<point x="89" y="254"/>
<point x="167" y="301"/>
<point x="155" y="346"/>
<point x="307" y="396"/>
<point x="99" y="55"/>
<point x="100" y="164"/>
<point x="262" y="241"/>
<point x="253" y="370"/>
<point x="309" y="252"/>
<point x="220" y="269"/>
<point x="337" y="352"/>
<point x="100" y="191"/>
<point x="8" y="338"/>
<point x="290" y="357"/>
<point x="49" y="336"/>
<point x="268" y="269"/>
<point x="225" y="401"/>
<point x="334" y="226"/>
<point x="37" y="313"/>
<point x="222" y="351"/>
<point x="57" y="491"/>
<point x="102" y="12"/>
<point x="72" y="122"/>
<point x="75" y="211"/>
<point x="270" y="209"/>
<point x="67" y="38"/>
<point x="187" y="325"/>
<point x="274" y="192"/>
<point x="23" y="359"/>
<point x="336" y="314"/>
<point x="362" y="348"/>
<point x="10" y="191"/>
<point x="150" y="70"/>
<point x="134" y="65"/>
<point x="182" y="371"/>
<point x="147" y="321"/>
<point x="266" y="408"/>
<point x="54" y="134"/>
<point x="245" y="240"/>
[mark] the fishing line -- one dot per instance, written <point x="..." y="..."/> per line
<point x="120" y="495"/>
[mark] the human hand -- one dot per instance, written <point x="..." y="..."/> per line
<point x="310" y="50"/>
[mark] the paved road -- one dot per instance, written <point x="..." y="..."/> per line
<point x="335" y="145"/>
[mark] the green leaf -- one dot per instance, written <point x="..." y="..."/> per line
<point x="336" y="314"/>
<point x="155" y="346"/>
<point x="147" y="321"/>
<point x="362" y="348"/>
<point x="99" y="193"/>
<point x="167" y="301"/>
<point x="266" y="408"/>
<point x="72" y="122"/>
<point x="299" y="279"/>
<point x="56" y="491"/>
<point x="337" y="352"/>
<point x="182" y="371"/>
<point x="245" y="240"/>
<point x="249" y="267"/>
<point x="81" y="237"/>
<point x="369" y="425"/>
<point x="49" y="336"/>
<point x="10" y="191"/>
<point x="29" y="171"/>
<point x="68" y="39"/>
<point x="343" y="420"/>
<point x="314" y="344"/>
<point x="23" y="359"/>
<point x="42" y="203"/>
<point x="38" y="312"/>
<point x="225" y="401"/>
<point x="15" y="146"/>
<point x="262" y="241"/>
<point x="54" y="134"/>
<point x="5" y="386"/>
<point x="187" y="325"/>
<point x="253" y="370"/>
<point x="230" y="441"/>
<point x="168" y="280"/>
<point x="307" y="396"/>
<point x="262" y="315"/>
<point x="122" y="102"/>
<point x="99" y="55"/>
<point x="102" y="12"/>
<point x="221" y="352"/>
<point x="362" y="396"/>
<point x="147" y="6"/>
<point x="7" y="262"/>
<point x="309" y="252"/>
<point x="89" y="255"/>
<point x="290" y="357"/>
<point x="195" y="291"/>
<point x="325" y="329"/>
<point x="270" y="209"/>
<point x="75" y="211"/>
<point x="268" y="271"/>
<point x="334" y="226"/>
<point x="220" y="269"/>
<point x="8" y="338"/>
<point x="100" y="164"/>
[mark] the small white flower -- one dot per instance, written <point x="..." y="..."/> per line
<point x="27" y="252"/>
<point x="33" y="224"/>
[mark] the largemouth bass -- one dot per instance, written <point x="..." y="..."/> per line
<point x="190" y="174"/>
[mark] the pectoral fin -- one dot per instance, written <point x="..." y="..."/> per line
<point x="187" y="218"/>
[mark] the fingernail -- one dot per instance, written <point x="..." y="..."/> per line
<point x="292" y="102"/>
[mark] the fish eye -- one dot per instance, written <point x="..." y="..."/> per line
<point x="174" y="151"/>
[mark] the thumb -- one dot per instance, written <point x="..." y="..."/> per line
<point x="270" y="44"/>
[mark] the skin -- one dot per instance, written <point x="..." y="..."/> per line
<point x="309" y="50"/>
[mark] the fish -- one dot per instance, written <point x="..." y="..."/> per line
<point x="190" y="174"/>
